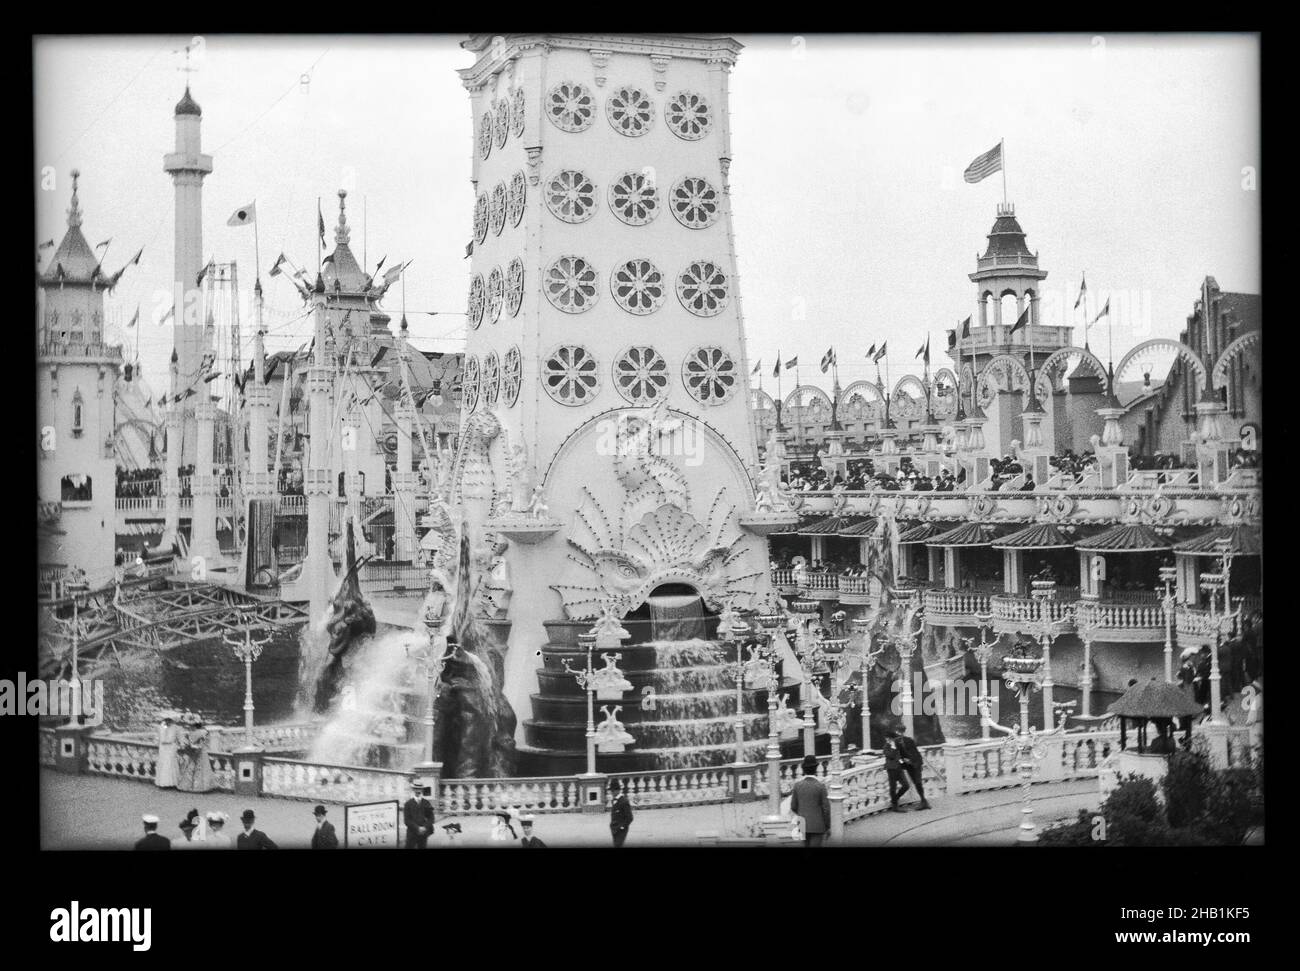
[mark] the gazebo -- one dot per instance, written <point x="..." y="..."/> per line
<point x="1152" y="701"/>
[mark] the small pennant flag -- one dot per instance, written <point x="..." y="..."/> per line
<point x="1083" y="290"/>
<point x="828" y="359"/>
<point x="48" y="244"/>
<point x="279" y="262"/>
<point x="952" y="339"/>
<point x="134" y="319"/>
<point x="320" y="222"/>
<point x="469" y="250"/>
<point x="776" y="372"/>
<point x="381" y="263"/>
<point x="1103" y="312"/>
<point x="793" y="362"/>
<point x="1020" y="321"/>
<point x="924" y="349"/>
<point x="985" y="165"/>
<point x="394" y="273"/>
<point x="99" y="246"/>
<point x="243" y="215"/>
<point x="881" y="353"/>
<point x="965" y="328"/>
<point x="871" y="352"/>
<point x="757" y="367"/>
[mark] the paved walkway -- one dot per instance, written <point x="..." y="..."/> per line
<point x="95" y="812"/>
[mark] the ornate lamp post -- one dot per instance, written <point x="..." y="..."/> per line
<point x="764" y="660"/>
<point x="248" y="649"/>
<point x="1167" y="576"/>
<point x="608" y="681"/>
<point x="1212" y="584"/>
<point x="906" y="644"/>
<point x="1047" y="629"/>
<point x="983" y="652"/>
<point x="1022" y="675"/>
<point x="587" y="684"/>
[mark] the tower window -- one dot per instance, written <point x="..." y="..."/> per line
<point x="490" y="379"/>
<point x="702" y="288"/>
<point x="75" y="488"/>
<point x="570" y="196"/>
<point x="710" y="375"/>
<point x="511" y="371"/>
<point x="77" y="414"/>
<point x="571" y="284"/>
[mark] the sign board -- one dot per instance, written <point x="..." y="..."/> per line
<point x="372" y="825"/>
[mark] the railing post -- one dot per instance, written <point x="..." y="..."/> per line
<point x="248" y="772"/>
<point x="743" y="778"/>
<point x="70" y="748"/>
<point x="954" y="760"/>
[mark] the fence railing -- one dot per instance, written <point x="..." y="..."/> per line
<point x="295" y="779"/>
<point x="783" y="577"/>
<point x="481" y="797"/>
<point x="676" y="787"/>
<point x="299" y="736"/>
<point x="1107" y="615"/>
<point x="957" y="602"/>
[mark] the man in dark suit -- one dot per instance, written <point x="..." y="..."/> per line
<point x="151" y="840"/>
<point x="324" y="838"/>
<point x="894" y="769"/>
<point x="810" y="800"/>
<point x="417" y="814"/>
<point x="620" y="814"/>
<point x="250" y="838"/>
<point x="529" y="841"/>
<point x="912" y="764"/>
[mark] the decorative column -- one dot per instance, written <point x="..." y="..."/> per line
<point x="318" y="567"/>
<point x="257" y="399"/>
<point x="405" y="543"/>
<point x="1112" y="456"/>
<point x="203" y="484"/>
<point x="1168" y="575"/>
<point x="983" y="654"/>
<point x="1013" y="571"/>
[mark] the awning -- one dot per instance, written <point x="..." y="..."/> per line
<point x="830" y="525"/>
<point x="1155" y="699"/>
<point x="800" y="528"/>
<point x="1128" y="538"/>
<point x="922" y="532"/>
<point x="969" y="534"/>
<point x="1245" y="541"/>
<point x="865" y="526"/>
<point x="148" y="528"/>
<point x="1042" y="536"/>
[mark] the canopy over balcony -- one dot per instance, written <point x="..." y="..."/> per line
<point x="922" y="532"/>
<point x="969" y="534"/>
<point x="1128" y="538"/>
<point x="865" y="526"/>
<point x="830" y="525"/>
<point x="1043" y="536"/>
<point x="801" y="529"/>
<point x="1243" y="541"/>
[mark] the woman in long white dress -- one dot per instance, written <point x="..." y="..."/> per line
<point x="217" y="839"/>
<point x="194" y="774"/>
<point x="165" y="773"/>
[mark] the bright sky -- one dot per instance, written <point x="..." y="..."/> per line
<point x="1127" y="157"/>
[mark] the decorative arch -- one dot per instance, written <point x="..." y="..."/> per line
<point x="1232" y="351"/>
<point x="869" y="391"/>
<point x="760" y="400"/>
<point x="1043" y="380"/>
<point x="944" y="405"/>
<point x="1180" y="350"/>
<point x="909" y="405"/>
<point x="1003" y="363"/>
<point x="793" y="398"/>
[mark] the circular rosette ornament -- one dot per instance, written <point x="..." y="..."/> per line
<point x="570" y="375"/>
<point x="638" y="287"/>
<point x="641" y="375"/>
<point x="702" y="288"/>
<point x="481" y="218"/>
<point x="710" y="375"/>
<point x="501" y="122"/>
<point x="688" y="115"/>
<point x="571" y="284"/>
<point x="511" y="374"/>
<point x="695" y="203"/>
<point x="515" y="286"/>
<point x="477" y="300"/>
<point x="570" y="196"/>
<point x="630" y="111"/>
<point x="485" y="135"/>
<point x="497" y="208"/>
<point x="517" y="112"/>
<point x="469" y="384"/>
<point x="495" y="294"/>
<point x="518" y="195"/>
<point x="634" y="198"/>
<point x="570" y="106"/>
<point x="490" y="379"/>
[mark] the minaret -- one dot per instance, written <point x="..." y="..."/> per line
<point x="188" y="166"/>
<point x="172" y="460"/>
<point x="318" y="570"/>
<point x="404" y="476"/>
<point x="257" y="398"/>
<point x="203" y="482"/>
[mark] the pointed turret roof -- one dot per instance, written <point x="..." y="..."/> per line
<point x="1006" y="238"/>
<point x="74" y="261"/>
<point x="347" y="272"/>
<point x="187" y="105"/>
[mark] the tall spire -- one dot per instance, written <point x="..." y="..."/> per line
<point x="74" y="211"/>
<point x="342" y="233"/>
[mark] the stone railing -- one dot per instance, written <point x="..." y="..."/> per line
<point x="818" y="580"/>
<point x="1139" y="621"/>
<point x="1016" y="612"/>
<point x="977" y="766"/>
<point x="140" y="503"/>
<point x="856" y="586"/>
<point x="675" y="787"/>
<point x="295" y="736"/>
<point x="123" y="758"/>
<point x="482" y="797"/>
<point x="223" y="771"/>
<point x="947" y="602"/>
<point x="783" y="577"/>
<point x="294" y="779"/>
<point x="290" y="502"/>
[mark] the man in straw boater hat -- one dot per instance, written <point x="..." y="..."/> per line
<point x="417" y="814"/>
<point x="151" y="840"/>
<point x="529" y="841"/>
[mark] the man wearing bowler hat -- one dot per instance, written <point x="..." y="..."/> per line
<point x="810" y="800"/>
<point x="250" y="838"/>
<point x="529" y="841"/>
<point x="324" y="838"/>
<point x="417" y="813"/>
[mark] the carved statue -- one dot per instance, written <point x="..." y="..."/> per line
<point x="523" y="478"/>
<point x="611" y="736"/>
<point x="537" y="507"/>
<point x="350" y="619"/>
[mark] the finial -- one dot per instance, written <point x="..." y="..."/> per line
<point x="74" y="213"/>
<point x="342" y="234"/>
<point x="402" y="326"/>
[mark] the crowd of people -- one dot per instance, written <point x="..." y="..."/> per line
<point x="139" y="483"/>
<point x="208" y="832"/>
<point x="861" y="475"/>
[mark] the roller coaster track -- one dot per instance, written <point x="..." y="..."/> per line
<point x="150" y="613"/>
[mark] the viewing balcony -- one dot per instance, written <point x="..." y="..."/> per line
<point x="1016" y="613"/>
<point x="1130" y="620"/>
<point x="783" y="580"/>
<point x="819" y="585"/>
<point x="945" y="607"/>
<point x="1195" y="625"/>
<point x="855" y="590"/>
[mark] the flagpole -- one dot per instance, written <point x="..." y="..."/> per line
<point x="1003" y="153"/>
<point x="257" y="250"/>
<point x="320" y="221"/>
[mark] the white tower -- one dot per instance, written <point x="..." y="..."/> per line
<point x="188" y="166"/>
<point x="605" y="360"/>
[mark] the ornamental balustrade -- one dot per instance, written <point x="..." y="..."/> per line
<point x="956" y="603"/>
<point x="296" y="779"/>
<point x="818" y="580"/>
<point x="1111" y="616"/>
<point x="293" y="737"/>
<point x="1014" y="612"/>
<point x="783" y="577"/>
<point x="855" y="585"/>
<point x="121" y="758"/>
<point x="483" y="797"/>
<point x="677" y="787"/>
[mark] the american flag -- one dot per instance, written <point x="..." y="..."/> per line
<point x="985" y="165"/>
